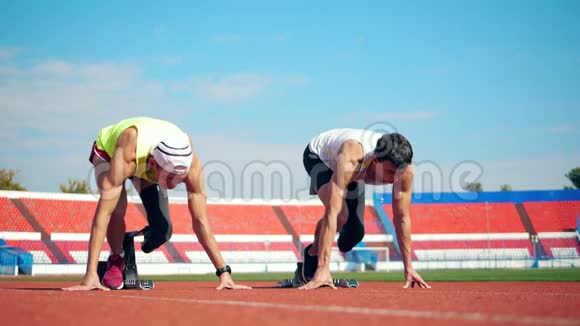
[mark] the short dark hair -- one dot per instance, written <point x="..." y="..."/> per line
<point x="395" y="148"/>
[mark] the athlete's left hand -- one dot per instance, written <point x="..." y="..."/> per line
<point x="226" y="282"/>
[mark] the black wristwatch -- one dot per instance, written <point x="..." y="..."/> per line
<point x="222" y="270"/>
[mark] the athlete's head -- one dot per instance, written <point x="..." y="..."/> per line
<point x="393" y="151"/>
<point x="171" y="158"/>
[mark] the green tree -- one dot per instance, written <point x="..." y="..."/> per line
<point x="506" y="187"/>
<point x="568" y="188"/>
<point x="574" y="176"/>
<point x="76" y="187"/>
<point x="474" y="187"/>
<point x="7" y="180"/>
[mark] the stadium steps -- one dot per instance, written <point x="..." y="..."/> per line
<point x="393" y="252"/>
<point x="290" y="229"/>
<point x="527" y="222"/>
<point x="44" y="236"/>
<point x="555" y="224"/>
<point x="10" y="218"/>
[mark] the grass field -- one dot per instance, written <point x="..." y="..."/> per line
<point x="430" y="276"/>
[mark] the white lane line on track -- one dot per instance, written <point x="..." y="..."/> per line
<point x="427" y="314"/>
<point x="465" y="316"/>
<point x="433" y="292"/>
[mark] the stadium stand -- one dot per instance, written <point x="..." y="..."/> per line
<point x="463" y="226"/>
<point x="465" y="218"/>
<point x="555" y="224"/>
<point x="74" y="216"/>
<point x="553" y="216"/>
<point x="521" y="226"/>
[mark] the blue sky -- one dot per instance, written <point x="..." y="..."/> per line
<point x="495" y="82"/>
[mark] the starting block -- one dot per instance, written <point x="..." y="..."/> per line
<point x="130" y="275"/>
<point x="297" y="281"/>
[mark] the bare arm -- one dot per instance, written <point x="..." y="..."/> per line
<point x="402" y="192"/>
<point x="196" y="198"/>
<point x="110" y="188"/>
<point x="329" y="222"/>
<point x="349" y="157"/>
<point x="110" y="184"/>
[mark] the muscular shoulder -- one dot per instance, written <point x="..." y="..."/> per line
<point x="351" y="150"/>
<point x="127" y="142"/>
<point x="128" y="135"/>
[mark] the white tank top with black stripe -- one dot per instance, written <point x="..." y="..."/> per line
<point x="327" y="144"/>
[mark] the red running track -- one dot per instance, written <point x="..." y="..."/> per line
<point x="198" y="303"/>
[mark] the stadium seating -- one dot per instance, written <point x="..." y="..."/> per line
<point x="472" y="249"/>
<point x="74" y="216"/>
<point x="462" y="226"/>
<point x="561" y="248"/>
<point x="55" y="229"/>
<point x="554" y="216"/>
<point x="464" y="218"/>
<point x="76" y="252"/>
<point x="555" y="223"/>
<point x="230" y="219"/>
<point x="304" y="219"/>
<point x="236" y="252"/>
<point x="11" y="220"/>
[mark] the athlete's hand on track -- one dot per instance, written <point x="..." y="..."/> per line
<point x="412" y="278"/>
<point x="226" y="282"/>
<point x="321" y="278"/>
<point x="90" y="282"/>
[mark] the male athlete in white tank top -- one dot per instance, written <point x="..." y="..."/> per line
<point x="339" y="163"/>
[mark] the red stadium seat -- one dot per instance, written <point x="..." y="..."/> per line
<point x="463" y="218"/>
<point x="554" y="216"/>
<point x="230" y="219"/>
<point x="10" y="218"/>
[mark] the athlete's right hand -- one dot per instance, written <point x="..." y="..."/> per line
<point x="321" y="278"/>
<point x="90" y="282"/>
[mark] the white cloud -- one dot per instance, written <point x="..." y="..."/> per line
<point x="8" y="53"/>
<point x="236" y="89"/>
<point x="566" y="128"/>
<point x="52" y="110"/>
<point x="53" y="68"/>
<point x="64" y="96"/>
<point x="8" y="71"/>
<point x="232" y="89"/>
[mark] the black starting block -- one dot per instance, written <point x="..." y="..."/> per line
<point x="130" y="275"/>
<point x="297" y="281"/>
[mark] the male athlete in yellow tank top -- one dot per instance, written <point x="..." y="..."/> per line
<point x="150" y="152"/>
